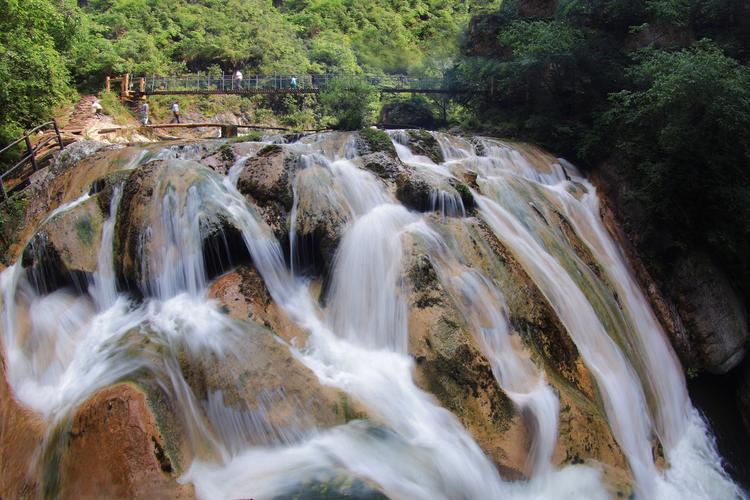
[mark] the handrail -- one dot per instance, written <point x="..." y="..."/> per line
<point x="31" y="152"/>
<point x="287" y="83"/>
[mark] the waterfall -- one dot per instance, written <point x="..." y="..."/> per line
<point x="62" y="346"/>
<point x="104" y="285"/>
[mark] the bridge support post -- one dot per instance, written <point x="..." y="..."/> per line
<point x="107" y="86"/>
<point x="228" y="131"/>
<point x="142" y="85"/>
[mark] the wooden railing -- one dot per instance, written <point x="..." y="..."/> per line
<point x="32" y="153"/>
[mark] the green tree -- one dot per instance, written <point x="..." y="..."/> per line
<point x="685" y="132"/>
<point x="33" y="33"/>
<point x="349" y="102"/>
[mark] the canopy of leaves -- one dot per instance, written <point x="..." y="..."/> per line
<point x="659" y="87"/>
<point x="34" y="77"/>
<point x="350" y="103"/>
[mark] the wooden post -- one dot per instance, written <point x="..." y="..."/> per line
<point x="142" y="85"/>
<point x="106" y="84"/>
<point x="5" y="195"/>
<point x="57" y="133"/>
<point x="32" y="154"/>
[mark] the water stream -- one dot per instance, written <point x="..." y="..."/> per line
<point x="62" y="346"/>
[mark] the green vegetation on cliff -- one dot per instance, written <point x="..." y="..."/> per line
<point x="655" y="94"/>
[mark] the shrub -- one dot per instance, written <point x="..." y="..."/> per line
<point x="350" y="102"/>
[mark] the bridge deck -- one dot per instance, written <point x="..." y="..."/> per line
<point x="204" y="84"/>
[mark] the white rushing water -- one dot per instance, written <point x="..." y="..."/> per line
<point x="63" y="346"/>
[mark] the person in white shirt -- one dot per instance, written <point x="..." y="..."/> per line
<point x="238" y="79"/>
<point x="175" y="112"/>
<point x="96" y="108"/>
<point x="144" y="113"/>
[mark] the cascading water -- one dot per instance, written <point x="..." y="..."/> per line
<point x="63" y="345"/>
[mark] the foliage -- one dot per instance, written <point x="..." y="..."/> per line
<point x="112" y="106"/>
<point x="686" y="134"/>
<point x="377" y="140"/>
<point x="350" y="103"/>
<point x="32" y="70"/>
<point x="413" y="111"/>
<point x="659" y="87"/>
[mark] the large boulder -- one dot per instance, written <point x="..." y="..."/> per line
<point x="21" y="431"/>
<point x="266" y="178"/>
<point x="65" y="248"/>
<point x="372" y="140"/>
<point x="382" y="164"/>
<point x="584" y="433"/>
<point x="115" y="449"/>
<point x="322" y="213"/>
<point x="424" y="143"/>
<point x="712" y="311"/>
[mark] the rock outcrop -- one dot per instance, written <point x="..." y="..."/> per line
<point x="115" y="449"/>
<point x="713" y="313"/>
<point x="322" y="214"/>
<point x="265" y="177"/>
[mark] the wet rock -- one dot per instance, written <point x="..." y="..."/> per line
<point x="115" y="449"/>
<point x="743" y="397"/>
<point x="417" y="190"/>
<point x="133" y="217"/>
<point x="584" y="432"/>
<point x="229" y="153"/>
<point x="77" y="151"/>
<point x="65" y="248"/>
<point x="383" y="165"/>
<point x="322" y="214"/>
<point x="423" y="143"/>
<point x="244" y="296"/>
<point x="450" y="365"/>
<point x="712" y="311"/>
<point x="265" y="177"/>
<point x="21" y="431"/>
<point x="372" y="140"/>
<point x="261" y="379"/>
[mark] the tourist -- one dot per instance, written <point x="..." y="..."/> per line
<point x="144" y="113"/>
<point x="238" y="79"/>
<point x="96" y="108"/>
<point x="175" y="112"/>
<point x="293" y="83"/>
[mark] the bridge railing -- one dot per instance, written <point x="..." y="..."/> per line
<point x="44" y="145"/>
<point x="228" y="83"/>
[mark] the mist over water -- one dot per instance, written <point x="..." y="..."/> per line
<point x="63" y="345"/>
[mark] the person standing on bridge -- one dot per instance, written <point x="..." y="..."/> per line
<point x="144" y="113"/>
<point x="293" y="83"/>
<point x="238" y="79"/>
<point x="175" y="112"/>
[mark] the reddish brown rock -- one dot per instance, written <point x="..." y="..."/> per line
<point x="116" y="450"/>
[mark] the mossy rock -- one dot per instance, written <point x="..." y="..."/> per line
<point x="423" y="143"/>
<point x="373" y="140"/>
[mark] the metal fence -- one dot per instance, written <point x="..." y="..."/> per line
<point x="258" y="83"/>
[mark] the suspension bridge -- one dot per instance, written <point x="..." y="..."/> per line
<point x="207" y="84"/>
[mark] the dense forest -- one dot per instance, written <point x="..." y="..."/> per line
<point x="652" y="93"/>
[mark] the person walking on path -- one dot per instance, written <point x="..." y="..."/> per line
<point x="96" y="108"/>
<point x="144" y="113"/>
<point x="175" y="112"/>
